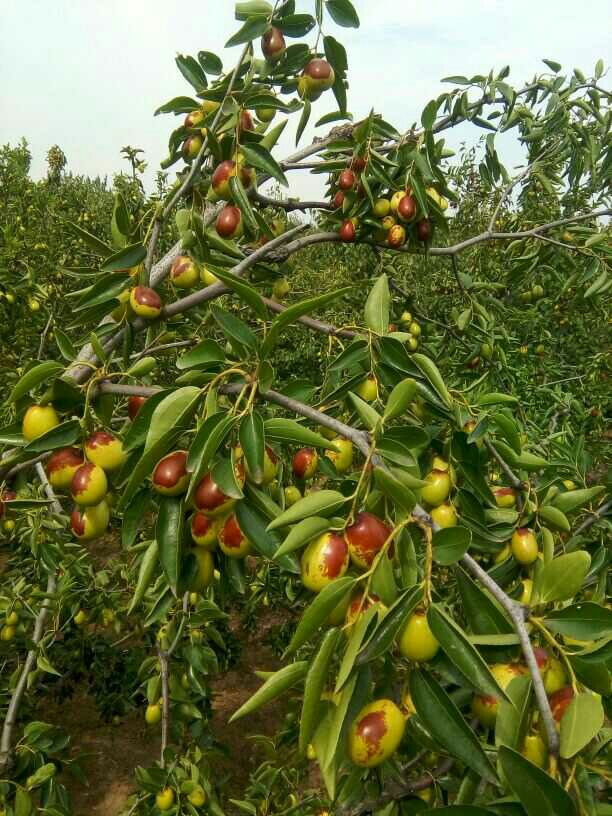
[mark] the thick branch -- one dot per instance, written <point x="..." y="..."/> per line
<point x="39" y="627"/>
<point x="289" y="204"/>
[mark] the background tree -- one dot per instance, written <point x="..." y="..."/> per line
<point x="443" y="544"/>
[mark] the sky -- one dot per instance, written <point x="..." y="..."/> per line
<point x="88" y="74"/>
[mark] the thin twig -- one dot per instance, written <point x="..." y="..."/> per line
<point x="43" y="336"/>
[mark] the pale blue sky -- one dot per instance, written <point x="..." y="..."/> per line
<point x="88" y="74"/>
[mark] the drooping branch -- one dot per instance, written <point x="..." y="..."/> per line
<point x="10" y="722"/>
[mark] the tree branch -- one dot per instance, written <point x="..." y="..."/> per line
<point x="289" y="204"/>
<point x="395" y="790"/>
<point x="39" y="626"/>
<point x="512" y="478"/>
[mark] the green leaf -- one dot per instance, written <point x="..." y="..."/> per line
<point x="206" y="352"/>
<point x="175" y="411"/>
<point x="240" y="198"/>
<point x="395" y="488"/>
<point x="583" y="621"/>
<point x="376" y="310"/>
<point x="554" y="518"/>
<point x="253" y="28"/>
<point x="59" y="437"/>
<point x="343" y="13"/>
<point x="103" y="290"/>
<point x="315" y="615"/>
<point x="145" y="574"/>
<point x="554" y="66"/>
<point x="444" y="722"/>
<point x="369" y="416"/>
<point x="234" y="328"/>
<point x="303" y="532"/>
<point x="279" y="429"/>
<point x="563" y="577"/>
<point x="430" y="371"/>
<point x="169" y="536"/>
<point x="514" y="714"/>
<point x="253" y="525"/>
<point x="356" y="636"/>
<point x="461" y="653"/>
<point x="566" y="502"/>
<point x="539" y="794"/>
<point x="428" y="117"/>
<point x="180" y="104"/>
<point x="509" y="430"/>
<point x="314" y="685"/>
<point x="34" y="376"/>
<point x="291" y="314"/>
<point x="306" y="111"/>
<point x="390" y="626"/>
<point x="65" y="345"/>
<point x="98" y="246"/>
<point x="280" y="682"/>
<point x="451" y="544"/>
<point x="124" y="259"/>
<point x="192" y="71"/>
<point x="139" y="427"/>
<point x="494" y="398"/>
<point x="206" y="443"/>
<point x="134" y="517"/>
<point x="252" y="440"/>
<point x="296" y="25"/>
<point x="580" y="723"/>
<point x="319" y="503"/>
<point x="351" y="700"/>
<point x="244" y="290"/>
<point x="210" y="63"/>
<point x="257" y="156"/>
<point x="400" y="398"/>
<point x="44" y="665"/>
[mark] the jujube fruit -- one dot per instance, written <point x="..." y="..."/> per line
<point x="376" y="733"/>
<point x="416" y="640"/>
<point x="171" y="477"/>
<point x="38" y="420"/>
<point x="524" y="546"/>
<point x="366" y="538"/>
<point x="324" y="559"/>
<point x="105" y="450"/>
<point x="145" y="302"/>
<point x="89" y="485"/>
<point x="232" y="540"/>
<point x="62" y="466"/>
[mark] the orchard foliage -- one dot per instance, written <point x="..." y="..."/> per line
<point x="439" y="532"/>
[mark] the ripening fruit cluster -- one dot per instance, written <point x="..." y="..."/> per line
<point x="393" y="219"/>
<point x="83" y="472"/>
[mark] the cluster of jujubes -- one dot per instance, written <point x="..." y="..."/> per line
<point x="393" y="219"/>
